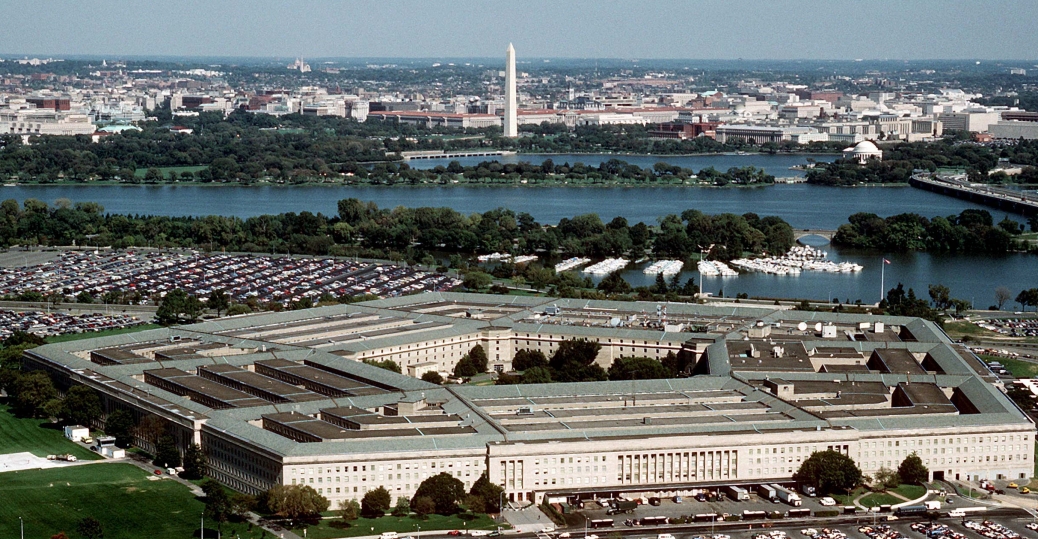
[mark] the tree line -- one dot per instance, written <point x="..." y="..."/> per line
<point x="971" y="231"/>
<point x="364" y="229"/>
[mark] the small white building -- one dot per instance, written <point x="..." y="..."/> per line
<point x="76" y="433"/>
<point x="113" y="452"/>
<point x="863" y="151"/>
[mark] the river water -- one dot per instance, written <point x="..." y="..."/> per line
<point x="804" y="206"/>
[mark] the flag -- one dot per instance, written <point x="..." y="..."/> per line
<point x="885" y="261"/>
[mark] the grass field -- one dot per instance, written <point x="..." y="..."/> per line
<point x="910" y="491"/>
<point x="121" y="496"/>
<point x="18" y="435"/>
<point x="105" y="333"/>
<point x="879" y="498"/>
<point x="403" y="525"/>
<point x="1016" y="367"/>
<point x="960" y="329"/>
<point x="165" y="170"/>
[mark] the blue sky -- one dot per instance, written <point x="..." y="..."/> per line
<point x="721" y="29"/>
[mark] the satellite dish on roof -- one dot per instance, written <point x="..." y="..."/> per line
<point x="818" y="326"/>
<point x="802" y="326"/>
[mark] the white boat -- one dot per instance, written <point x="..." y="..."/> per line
<point x="607" y="266"/>
<point x="666" y="267"/>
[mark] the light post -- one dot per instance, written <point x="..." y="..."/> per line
<point x="201" y="532"/>
<point x="21" y="527"/>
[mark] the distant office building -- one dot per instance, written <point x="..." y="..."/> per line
<point x="763" y="134"/>
<point x="684" y="131"/>
<point x="1014" y="129"/>
<point x="433" y="119"/>
<point x="52" y="103"/>
<point x="511" y="107"/>
<point x="970" y="120"/>
<point x="35" y="122"/>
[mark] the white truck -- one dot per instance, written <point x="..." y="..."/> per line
<point x="808" y="490"/>
<point x="738" y="494"/>
<point x="787" y="495"/>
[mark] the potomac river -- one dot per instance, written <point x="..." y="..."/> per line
<point x="803" y="206"/>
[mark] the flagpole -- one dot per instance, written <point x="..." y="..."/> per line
<point x="882" y="275"/>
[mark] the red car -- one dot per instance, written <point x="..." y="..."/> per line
<point x="158" y="472"/>
<point x="454" y="533"/>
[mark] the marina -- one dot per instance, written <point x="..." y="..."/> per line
<point x="715" y="268"/>
<point x="664" y="267"/>
<point x="799" y="258"/>
<point x="607" y="266"/>
<point x="571" y="263"/>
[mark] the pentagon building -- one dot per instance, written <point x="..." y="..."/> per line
<point x="284" y="398"/>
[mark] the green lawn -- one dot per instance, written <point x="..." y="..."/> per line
<point x="121" y="496"/>
<point x="910" y="491"/>
<point x="36" y="436"/>
<point x="95" y="334"/>
<point x="957" y="330"/>
<point x="848" y="499"/>
<point x="403" y="525"/>
<point x="879" y="498"/>
<point x="1016" y="367"/>
<point x="165" y="170"/>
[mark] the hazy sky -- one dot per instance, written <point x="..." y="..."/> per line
<point x="721" y="29"/>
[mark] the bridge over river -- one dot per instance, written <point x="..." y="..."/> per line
<point x="801" y="234"/>
<point x="1005" y="199"/>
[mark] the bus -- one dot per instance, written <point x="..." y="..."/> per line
<point x="602" y="523"/>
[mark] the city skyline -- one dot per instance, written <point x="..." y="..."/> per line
<point x="797" y="29"/>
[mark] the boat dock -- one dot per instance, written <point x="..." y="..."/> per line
<point x="1006" y="199"/>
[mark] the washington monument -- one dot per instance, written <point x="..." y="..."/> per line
<point x="511" y="129"/>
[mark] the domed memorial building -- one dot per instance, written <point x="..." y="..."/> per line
<point x="863" y="151"/>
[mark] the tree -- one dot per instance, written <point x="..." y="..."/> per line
<point x="1002" y="295"/>
<point x="81" y="406"/>
<point x="432" y="377"/>
<point x="217" y="503"/>
<point x="151" y="428"/>
<point x="194" y="463"/>
<point x="537" y="375"/>
<point x="464" y="368"/>
<point x="445" y="490"/>
<point x="829" y="472"/>
<point x="218" y="301"/>
<point x="153" y="175"/>
<point x="941" y="296"/>
<point x="525" y="359"/>
<point x="1027" y="298"/>
<point x="479" y="359"/>
<point x="349" y="510"/>
<point x="90" y="528"/>
<point x="423" y="505"/>
<point x="32" y="392"/>
<point x="295" y="502"/>
<point x="488" y="492"/>
<point x="637" y="368"/>
<point x="166" y="453"/>
<point x="574" y="361"/>
<point x="912" y="470"/>
<point x="375" y="503"/>
<point x="887" y="477"/>
<point x="476" y="280"/>
<point x="172" y="307"/>
<point x="402" y="507"/>
<point x="120" y="424"/>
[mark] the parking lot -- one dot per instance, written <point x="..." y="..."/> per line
<point x="46" y="324"/>
<point x="975" y="526"/>
<point x="689" y="506"/>
<point x="281" y="279"/>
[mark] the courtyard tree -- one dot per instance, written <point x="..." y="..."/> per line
<point x="445" y="490"/>
<point x="912" y="470"/>
<point x="829" y="472"/>
<point x="375" y="503"/>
